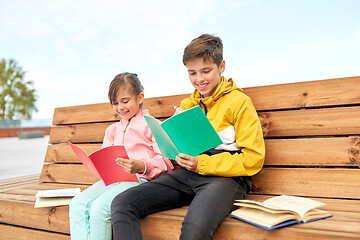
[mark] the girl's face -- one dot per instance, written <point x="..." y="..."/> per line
<point x="126" y="104"/>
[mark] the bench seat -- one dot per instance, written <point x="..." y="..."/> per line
<point x="311" y="132"/>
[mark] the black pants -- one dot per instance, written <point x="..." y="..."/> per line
<point x="210" y="198"/>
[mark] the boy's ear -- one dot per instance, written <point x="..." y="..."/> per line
<point x="222" y="66"/>
<point x="141" y="98"/>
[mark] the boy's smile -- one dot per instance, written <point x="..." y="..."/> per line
<point x="205" y="76"/>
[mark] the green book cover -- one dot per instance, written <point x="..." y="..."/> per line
<point x="188" y="132"/>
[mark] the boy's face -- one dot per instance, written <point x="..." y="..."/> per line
<point x="205" y="76"/>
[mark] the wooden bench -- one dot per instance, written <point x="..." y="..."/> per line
<point x="312" y="140"/>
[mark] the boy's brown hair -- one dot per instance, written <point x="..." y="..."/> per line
<point x="207" y="46"/>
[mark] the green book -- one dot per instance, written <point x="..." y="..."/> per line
<point x="188" y="132"/>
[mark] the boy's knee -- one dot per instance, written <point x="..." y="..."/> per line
<point x="121" y="202"/>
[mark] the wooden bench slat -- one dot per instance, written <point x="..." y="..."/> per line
<point x="292" y="123"/>
<point x="311" y="122"/>
<point x="294" y="181"/>
<point x="325" y="182"/>
<point x="160" y="107"/>
<point x="19" y="210"/>
<point x="78" y="133"/>
<point x="309" y="94"/>
<point x="327" y="151"/>
<point x="15" y="232"/>
<point x="62" y="153"/>
<point x="330" y="92"/>
<point x="67" y="173"/>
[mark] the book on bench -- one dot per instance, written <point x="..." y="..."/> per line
<point x="55" y="197"/>
<point x="279" y="211"/>
<point x="188" y="132"/>
<point x="102" y="163"/>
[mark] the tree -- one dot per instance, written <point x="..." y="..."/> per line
<point x="17" y="96"/>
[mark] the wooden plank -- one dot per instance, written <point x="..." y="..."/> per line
<point x="103" y="112"/>
<point x="329" y="92"/>
<point x="327" y="151"/>
<point x="10" y="232"/>
<point x="310" y="182"/>
<point x="309" y="94"/>
<point x="62" y="153"/>
<point x="294" y="123"/>
<point x="330" y="151"/>
<point x="80" y="133"/>
<point x="292" y="181"/>
<point x="153" y="228"/>
<point x="22" y="213"/>
<point x="172" y="219"/>
<point x="67" y="173"/>
<point x="10" y="183"/>
<point x="311" y="122"/>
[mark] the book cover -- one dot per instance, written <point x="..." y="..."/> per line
<point x="102" y="163"/>
<point x="279" y="211"/>
<point x="188" y="132"/>
<point x="56" y="197"/>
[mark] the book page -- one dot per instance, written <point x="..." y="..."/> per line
<point x="265" y="207"/>
<point x="260" y="217"/>
<point x="51" y="201"/>
<point x="84" y="158"/>
<point x="298" y="204"/>
<point x="166" y="146"/>
<point x="102" y="163"/>
<point x="68" y="192"/>
<point x="110" y="172"/>
<point x="191" y="132"/>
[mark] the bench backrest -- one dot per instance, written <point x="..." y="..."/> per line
<point x="311" y="133"/>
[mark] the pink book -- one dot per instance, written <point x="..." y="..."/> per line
<point x="102" y="163"/>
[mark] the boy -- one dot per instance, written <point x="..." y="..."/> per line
<point x="208" y="183"/>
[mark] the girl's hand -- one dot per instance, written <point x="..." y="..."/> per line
<point x="188" y="162"/>
<point x="131" y="165"/>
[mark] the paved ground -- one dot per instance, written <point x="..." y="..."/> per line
<point x="19" y="157"/>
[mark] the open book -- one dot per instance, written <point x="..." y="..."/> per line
<point x="188" y="132"/>
<point x="279" y="211"/>
<point x="57" y="197"/>
<point x="102" y="163"/>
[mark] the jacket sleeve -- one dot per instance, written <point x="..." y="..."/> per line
<point x="109" y="136"/>
<point x="157" y="165"/>
<point x="249" y="138"/>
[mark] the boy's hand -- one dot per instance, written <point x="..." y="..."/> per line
<point x="178" y="110"/>
<point x="131" y="165"/>
<point x="188" y="162"/>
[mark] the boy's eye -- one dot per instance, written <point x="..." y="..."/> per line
<point x="192" y="73"/>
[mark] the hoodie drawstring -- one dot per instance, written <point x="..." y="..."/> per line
<point x="205" y="108"/>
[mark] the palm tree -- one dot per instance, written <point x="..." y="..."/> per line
<point x="17" y="97"/>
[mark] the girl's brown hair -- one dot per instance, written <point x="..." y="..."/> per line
<point x="130" y="81"/>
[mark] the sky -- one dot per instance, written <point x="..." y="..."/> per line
<point x="72" y="50"/>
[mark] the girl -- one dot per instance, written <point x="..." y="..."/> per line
<point x="90" y="210"/>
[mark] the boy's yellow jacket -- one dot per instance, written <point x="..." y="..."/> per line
<point x="234" y="118"/>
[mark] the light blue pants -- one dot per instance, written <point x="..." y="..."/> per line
<point x="90" y="210"/>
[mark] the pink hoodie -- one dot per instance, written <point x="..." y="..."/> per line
<point x="139" y="143"/>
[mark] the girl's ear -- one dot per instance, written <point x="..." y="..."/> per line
<point x="141" y="98"/>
